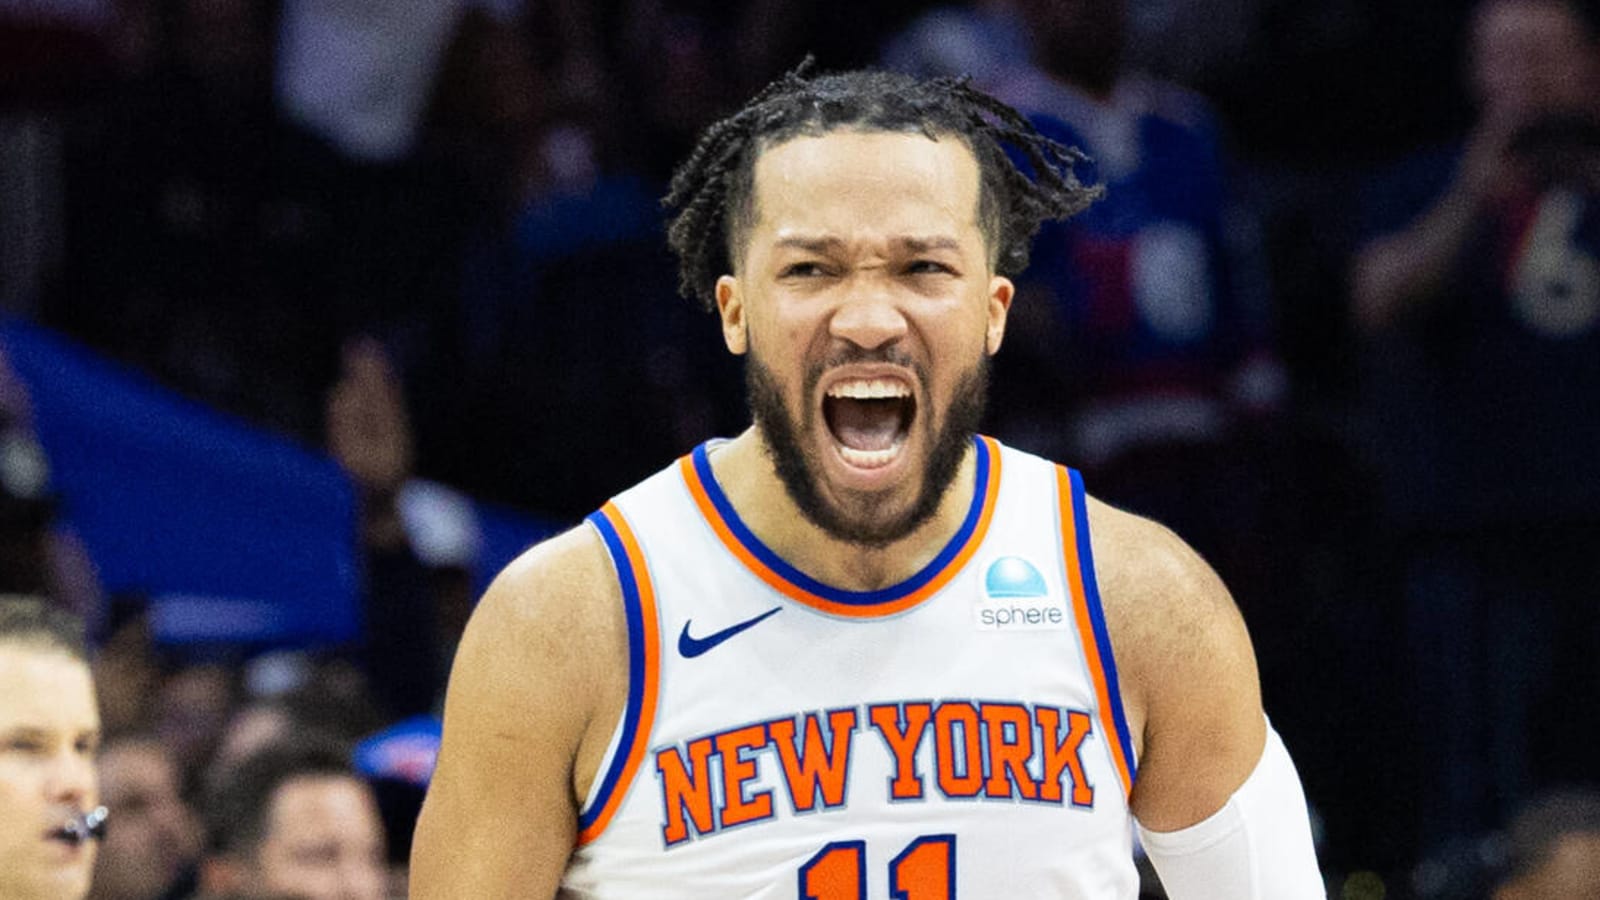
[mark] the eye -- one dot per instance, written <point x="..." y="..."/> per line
<point x="928" y="267"/>
<point x="802" y="270"/>
<point x="25" y="744"/>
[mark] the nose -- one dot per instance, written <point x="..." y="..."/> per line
<point x="868" y="317"/>
<point x="72" y="780"/>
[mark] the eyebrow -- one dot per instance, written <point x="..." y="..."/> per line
<point x="910" y="244"/>
<point x="923" y="245"/>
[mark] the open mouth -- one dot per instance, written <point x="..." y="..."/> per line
<point x="869" y="419"/>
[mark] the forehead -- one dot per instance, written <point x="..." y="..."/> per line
<point x="855" y="182"/>
<point x="316" y="802"/>
<point x="45" y="688"/>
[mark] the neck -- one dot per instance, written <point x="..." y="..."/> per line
<point x="745" y="472"/>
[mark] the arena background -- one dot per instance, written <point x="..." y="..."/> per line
<point x="214" y="214"/>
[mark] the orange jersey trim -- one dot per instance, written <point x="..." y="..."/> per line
<point x="1096" y="645"/>
<point x="768" y="567"/>
<point x="644" y="652"/>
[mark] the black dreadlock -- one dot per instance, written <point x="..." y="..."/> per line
<point x="712" y="193"/>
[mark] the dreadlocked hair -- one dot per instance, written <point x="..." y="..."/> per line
<point x="712" y="193"/>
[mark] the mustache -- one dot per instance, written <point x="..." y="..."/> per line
<point x="851" y="355"/>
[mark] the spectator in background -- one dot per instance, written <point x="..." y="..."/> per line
<point x="127" y="667"/>
<point x="49" y="730"/>
<point x="294" y="820"/>
<point x="327" y="698"/>
<point x="197" y="244"/>
<point x="984" y="40"/>
<point x="191" y="707"/>
<point x="1145" y="348"/>
<point x="152" y="852"/>
<point x="1478" y="294"/>
<point x="52" y="53"/>
<point x="536" y="351"/>
<point x="414" y="613"/>
<point x="1553" y="849"/>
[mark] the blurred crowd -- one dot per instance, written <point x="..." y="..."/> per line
<point x="1336" y="321"/>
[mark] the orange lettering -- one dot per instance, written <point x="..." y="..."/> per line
<point x="817" y="767"/>
<point x="970" y="781"/>
<point x="1064" y="754"/>
<point x="682" y="792"/>
<point x="1008" y="760"/>
<point x="903" y="743"/>
<point x="736" y="771"/>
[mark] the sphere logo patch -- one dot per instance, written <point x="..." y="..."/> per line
<point x="1016" y="597"/>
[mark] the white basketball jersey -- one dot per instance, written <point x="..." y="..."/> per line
<point x="959" y="734"/>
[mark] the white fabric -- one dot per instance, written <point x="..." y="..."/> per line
<point x="803" y="663"/>
<point x="441" y="524"/>
<point x="359" y="72"/>
<point x="1257" y="847"/>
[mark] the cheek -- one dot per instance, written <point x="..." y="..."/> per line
<point x="19" y="794"/>
<point x="13" y="830"/>
<point x="789" y="333"/>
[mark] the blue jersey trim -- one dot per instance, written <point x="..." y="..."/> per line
<point x="747" y="538"/>
<point x="1097" y="616"/>
<point x="636" y="664"/>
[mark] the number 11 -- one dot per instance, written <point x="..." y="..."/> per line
<point x="925" y="870"/>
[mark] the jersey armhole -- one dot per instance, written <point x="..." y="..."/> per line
<point x="1077" y="555"/>
<point x="631" y="736"/>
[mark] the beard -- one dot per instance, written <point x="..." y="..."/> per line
<point x="866" y="524"/>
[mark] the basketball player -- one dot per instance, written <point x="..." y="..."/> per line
<point x="49" y="730"/>
<point x="857" y="651"/>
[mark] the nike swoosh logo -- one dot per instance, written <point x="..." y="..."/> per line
<point x="690" y="646"/>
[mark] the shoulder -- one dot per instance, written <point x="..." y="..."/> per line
<point x="1185" y="665"/>
<point x="1165" y="607"/>
<point x="1152" y="583"/>
<point x="543" y="661"/>
<point x="537" y="684"/>
<point x="556" y="607"/>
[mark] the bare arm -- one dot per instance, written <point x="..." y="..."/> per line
<point x="1187" y="670"/>
<point x="1395" y="275"/>
<point x="1219" y="804"/>
<point x="533" y="698"/>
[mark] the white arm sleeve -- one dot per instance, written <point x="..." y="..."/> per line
<point x="1256" y="847"/>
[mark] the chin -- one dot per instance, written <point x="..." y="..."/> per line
<point x="868" y="505"/>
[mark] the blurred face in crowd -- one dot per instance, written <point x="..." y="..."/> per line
<point x="155" y="835"/>
<point x="191" y="709"/>
<point x="49" y="731"/>
<point x="867" y="303"/>
<point x="1531" y="58"/>
<point x="249" y="731"/>
<point x="1082" y="41"/>
<point x="324" y="842"/>
<point x="1571" y="870"/>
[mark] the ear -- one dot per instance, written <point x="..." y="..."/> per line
<point x="1001" y="290"/>
<point x="730" y="306"/>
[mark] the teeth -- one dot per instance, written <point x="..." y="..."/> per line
<point x="870" y="389"/>
<point x="869" y="459"/>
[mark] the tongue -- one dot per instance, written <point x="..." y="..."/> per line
<point x="866" y="424"/>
